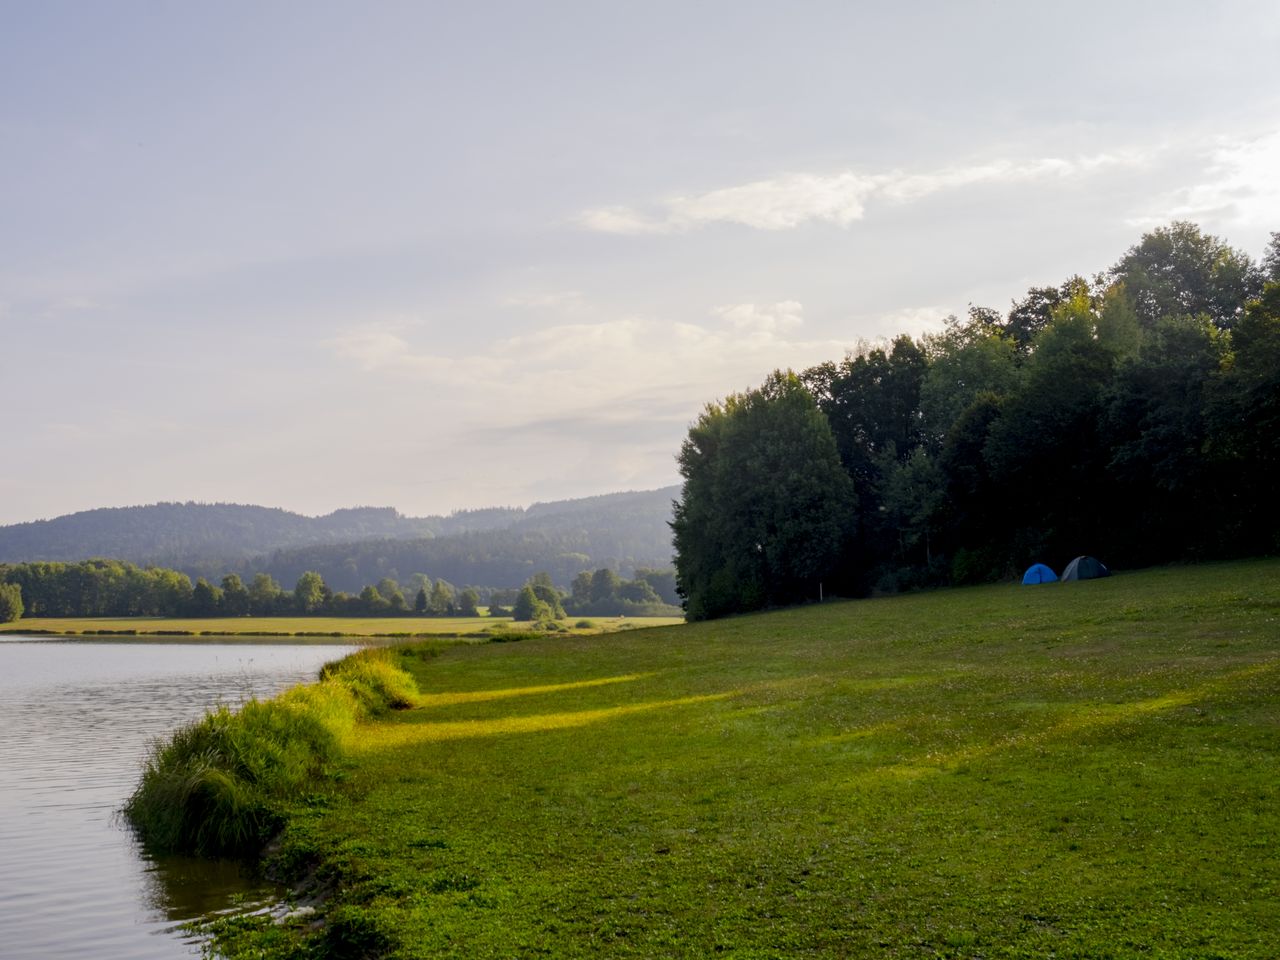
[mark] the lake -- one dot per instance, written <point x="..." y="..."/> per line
<point x="76" y="720"/>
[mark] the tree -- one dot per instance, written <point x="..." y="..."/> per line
<point x="1271" y="260"/>
<point x="1179" y="271"/>
<point x="1244" y="412"/>
<point x="372" y="600"/>
<point x="205" y="599"/>
<point x="637" y="591"/>
<point x="309" y="592"/>
<point x="663" y="583"/>
<point x="10" y="602"/>
<point x="546" y="592"/>
<point x="390" y="591"/>
<point x="469" y="603"/>
<point x="1034" y="312"/>
<point x="580" y="589"/>
<point x="765" y="508"/>
<point x="235" y="598"/>
<point x="264" y="594"/>
<point x="441" y="600"/>
<point x="420" y="602"/>
<point x="604" y="585"/>
<point x="1045" y="450"/>
<point x="527" y="603"/>
<point x="966" y="360"/>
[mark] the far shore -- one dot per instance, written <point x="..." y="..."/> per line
<point x="479" y="628"/>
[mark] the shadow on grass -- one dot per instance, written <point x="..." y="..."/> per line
<point x="1079" y="721"/>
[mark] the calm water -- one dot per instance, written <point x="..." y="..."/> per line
<point x="76" y="719"/>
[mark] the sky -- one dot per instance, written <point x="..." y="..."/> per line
<point x="439" y="256"/>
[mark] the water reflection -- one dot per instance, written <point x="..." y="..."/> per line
<point x="76" y="720"/>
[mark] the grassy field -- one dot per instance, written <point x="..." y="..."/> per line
<point x="1084" y="770"/>
<point x="313" y="626"/>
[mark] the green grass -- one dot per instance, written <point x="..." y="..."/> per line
<point x="1086" y="770"/>
<point x="304" y="626"/>
<point x="220" y="785"/>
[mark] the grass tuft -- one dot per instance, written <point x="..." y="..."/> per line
<point x="220" y="785"/>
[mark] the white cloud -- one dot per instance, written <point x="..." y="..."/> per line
<point x="1241" y="188"/>
<point x="789" y="201"/>
<point x="769" y="317"/>
<point x="641" y="369"/>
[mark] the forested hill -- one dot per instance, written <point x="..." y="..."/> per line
<point x="209" y="539"/>
<point x="621" y="531"/>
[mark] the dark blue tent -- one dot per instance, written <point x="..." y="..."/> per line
<point x="1085" y="568"/>
<point x="1038" y="573"/>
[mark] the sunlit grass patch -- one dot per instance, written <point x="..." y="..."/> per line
<point x="388" y="736"/>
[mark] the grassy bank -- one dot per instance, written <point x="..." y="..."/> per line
<point x="401" y="627"/>
<point x="1086" y="770"/>
<point x="222" y="785"/>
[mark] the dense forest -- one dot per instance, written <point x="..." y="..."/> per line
<point x="498" y="547"/>
<point x="116" y="588"/>
<point x="1134" y="415"/>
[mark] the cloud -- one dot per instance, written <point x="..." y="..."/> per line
<point x="625" y="369"/>
<point x="1240" y="188"/>
<point x="762" y="317"/>
<point x="792" y="200"/>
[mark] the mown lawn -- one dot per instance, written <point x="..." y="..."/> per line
<point x="303" y="626"/>
<point x="1087" y="770"/>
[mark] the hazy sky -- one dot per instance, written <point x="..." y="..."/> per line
<point x="443" y="255"/>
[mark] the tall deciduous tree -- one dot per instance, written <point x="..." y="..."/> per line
<point x="1179" y="271"/>
<point x="309" y="592"/>
<point x="10" y="602"/>
<point x="235" y="598"/>
<point x="765" y="509"/>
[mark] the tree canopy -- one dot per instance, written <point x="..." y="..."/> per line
<point x="766" y="507"/>
<point x="1135" y="416"/>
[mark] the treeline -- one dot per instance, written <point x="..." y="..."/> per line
<point x="1134" y="416"/>
<point x="652" y="593"/>
<point x="115" y="588"/>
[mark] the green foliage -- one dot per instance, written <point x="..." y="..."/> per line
<point x="766" y="508"/>
<point x="308" y="593"/>
<point x="10" y="602"/>
<point x="526" y="604"/>
<point x="235" y="597"/>
<point x="99" y="588"/>
<point x="265" y="595"/>
<point x="1179" y="271"/>
<point x="220" y="785"/>
<point x="469" y="603"/>
<point x="441" y="601"/>
<point x="206" y="600"/>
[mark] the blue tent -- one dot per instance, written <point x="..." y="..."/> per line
<point x="1038" y="573"/>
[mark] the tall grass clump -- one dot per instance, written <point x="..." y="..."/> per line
<point x="220" y="785"/>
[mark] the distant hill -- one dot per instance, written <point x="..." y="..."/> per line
<point x="621" y="530"/>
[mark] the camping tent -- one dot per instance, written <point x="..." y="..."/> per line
<point x="1038" y="573"/>
<point x="1085" y="568"/>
